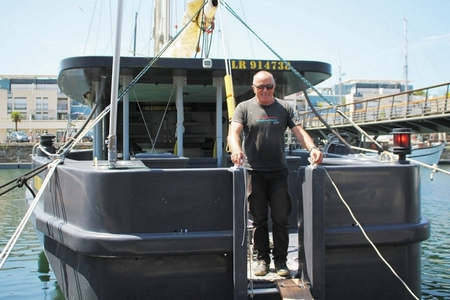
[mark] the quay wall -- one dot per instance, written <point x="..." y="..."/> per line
<point x="15" y="152"/>
<point x="21" y="152"/>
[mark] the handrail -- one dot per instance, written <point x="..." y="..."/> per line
<point x="382" y="108"/>
<point x="409" y="91"/>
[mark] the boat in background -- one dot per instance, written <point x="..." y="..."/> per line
<point x="429" y="155"/>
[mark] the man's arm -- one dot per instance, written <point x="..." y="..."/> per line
<point x="234" y="143"/>
<point x="307" y="142"/>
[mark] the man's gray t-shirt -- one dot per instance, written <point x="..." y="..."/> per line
<point x="264" y="128"/>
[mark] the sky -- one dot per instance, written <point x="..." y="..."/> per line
<point x="364" y="39"/>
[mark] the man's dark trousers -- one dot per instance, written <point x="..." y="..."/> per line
<point x="270" y="188"/>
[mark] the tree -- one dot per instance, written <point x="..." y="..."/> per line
<point x="16" y="117"/>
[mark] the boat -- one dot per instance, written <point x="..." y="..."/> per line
<point x="429" y="155"/>
<point x="169" y="220"/>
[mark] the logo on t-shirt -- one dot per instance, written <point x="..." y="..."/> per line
<point x="269" y="119"/>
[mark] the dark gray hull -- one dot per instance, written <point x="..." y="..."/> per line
<point x="140" y="233"/>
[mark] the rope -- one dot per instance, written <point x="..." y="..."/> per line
<point x="22" y="179"/>
<point x="12" y="241"/>
<point x="433" y="167"/>
<point x="69" y="145"/>
<point x="380" y="148"/>
<point x="293" y="70"/>
<point x="367" y="237"/>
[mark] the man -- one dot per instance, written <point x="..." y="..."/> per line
<point x="264" y="120"/>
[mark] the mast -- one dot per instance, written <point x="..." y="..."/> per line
<point x="112" y="138"/>
<point x="135" y="34"/>
<point x="161" y="26"/>
<point x="405" y="30"/>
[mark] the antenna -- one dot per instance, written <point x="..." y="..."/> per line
<point x="340" y="74"/>
<point x="405" y="30"/>
<point x="135" y="34"/>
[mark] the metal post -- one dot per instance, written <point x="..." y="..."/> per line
<point x="392" y="108"/>
<point x="135" y="34"/>
<point x="425" y="104"/>
<point x="112" y="138"/>
<point x="239" y="236"/>
<point x="407" y="105"/>
<point x="378" y="110"/>
<point x="98" y="128"/>
<point x="446" y="98"/>
<point x="405" y="28"/>
<point x="126" y="120"/>
<point x="218" y="82"/>
<point x="179" y="83"/>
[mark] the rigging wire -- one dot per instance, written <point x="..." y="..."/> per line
<point x="110" y="27"/>
<point x="162" y="118"/>
<point x="158" y="56"/>
<point x="98" y="26"/>
<point x="143" y="119"/>
<point x="293" y="70"/>
<point x="252" y="50"/>
<point x="90" y="27"/>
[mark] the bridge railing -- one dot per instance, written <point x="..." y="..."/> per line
<point x="417" y="103"/>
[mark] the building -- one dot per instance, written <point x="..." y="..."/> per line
<point x="43" y="108"/>
<point x="356" y="90"/>
<point x="316" y="100"/>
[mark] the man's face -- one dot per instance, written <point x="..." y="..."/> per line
<point x="264" y="87"/>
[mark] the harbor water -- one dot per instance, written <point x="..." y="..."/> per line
<point x="26" y="274"/>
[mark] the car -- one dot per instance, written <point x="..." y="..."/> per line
<point x="18" y="137"/>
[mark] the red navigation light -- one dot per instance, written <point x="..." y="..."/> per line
<point x="402" y="142"/>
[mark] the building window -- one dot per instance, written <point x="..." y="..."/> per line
<point x="20" y="104"/>
<point x="62" y="116"/>
<point x="63" y="104"/>
<point x="41" y="108"/>
<point x="10" y="105"/>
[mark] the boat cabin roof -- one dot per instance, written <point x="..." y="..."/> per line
<point x="78" y="77"/>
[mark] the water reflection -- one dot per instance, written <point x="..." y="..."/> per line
<point x="436" y="250"/>
<point x="26" y="274"/>
<point x="22" y="279"/>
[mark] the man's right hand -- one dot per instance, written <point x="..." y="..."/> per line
<point x="237" y="158"/>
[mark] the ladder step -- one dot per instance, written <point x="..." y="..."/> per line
<point x="291" y="289"/>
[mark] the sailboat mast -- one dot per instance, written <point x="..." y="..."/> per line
<point x="405" y="29"/>
<point x="161" y="24"/>
<point x="135" y="34"/>
<point x="112" y="138"/>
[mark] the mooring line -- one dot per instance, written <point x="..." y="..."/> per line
<point x="12" y="241"/>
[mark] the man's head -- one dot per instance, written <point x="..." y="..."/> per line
<point x="263" y="87"/>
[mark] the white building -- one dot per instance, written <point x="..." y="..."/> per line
<point x="44" y="109"/>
